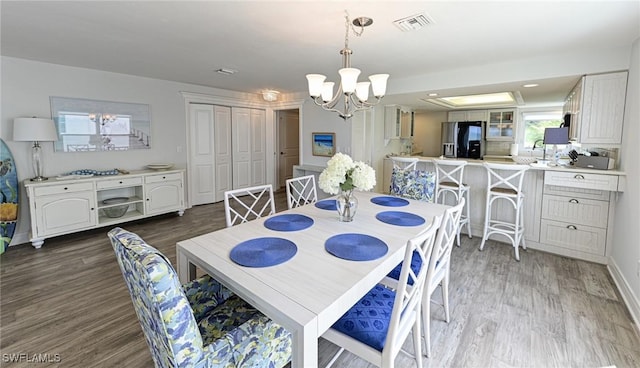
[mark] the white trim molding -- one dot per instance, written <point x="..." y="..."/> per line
<point x="630" y="299"/>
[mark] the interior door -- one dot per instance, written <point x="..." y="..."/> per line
<point x="258" y="147"/>
<point x="201" y="160"/>
<point x="288" y="144"/>
<point x="241" y="147"/>
<point x="222" y="149"/>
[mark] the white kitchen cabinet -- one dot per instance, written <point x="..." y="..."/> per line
<point x="597" y="106"/>
<point x="470" y="115"/>
<point x="576" y="212"/>
<point x="398" y="122"/>
<point x="64" y="207"/>
<point x="501" y="125"/>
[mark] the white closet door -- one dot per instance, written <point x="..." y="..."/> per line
<point x="258" y="148"/>
<point x="223" y="154"/>
<point x="201" y="167"/>
<point x="241" y="147"/>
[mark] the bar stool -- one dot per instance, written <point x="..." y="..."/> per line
<point x="449" y="181"/>
<point x="505" y="185"/>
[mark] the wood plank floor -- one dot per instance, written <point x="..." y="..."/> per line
<point x="69" y="300"/>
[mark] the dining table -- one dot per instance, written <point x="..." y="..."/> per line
<point x="303" y="267"/>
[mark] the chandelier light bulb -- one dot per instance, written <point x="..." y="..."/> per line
<point x="362" y="91"/>
<point x="379" y="84"/>
<point x="327" y="91"/>
<point x="315" y="84"/>
<point x="349" y="79"/>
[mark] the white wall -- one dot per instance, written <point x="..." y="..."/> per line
<point x="27" y="86"/>
<point x="427" y="132"/>
<point x="625" y="257"/>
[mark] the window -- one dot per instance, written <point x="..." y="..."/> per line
<point x="536" y="122"/>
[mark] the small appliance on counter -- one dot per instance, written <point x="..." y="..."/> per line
<point x="463" y="139"/>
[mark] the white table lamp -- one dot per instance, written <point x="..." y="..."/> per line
<point x="36" y="130"/>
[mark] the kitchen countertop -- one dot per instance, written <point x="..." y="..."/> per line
<point x="535" y="166"/>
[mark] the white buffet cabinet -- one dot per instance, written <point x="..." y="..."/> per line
<point x="59" y="207"/>
<point x="568" y="211"/>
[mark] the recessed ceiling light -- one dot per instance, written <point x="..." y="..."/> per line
<point x="433" y="94"/>
<point x="530" y="85"/>
<point x="226" y="71"/>
<point x="484" y="99"/>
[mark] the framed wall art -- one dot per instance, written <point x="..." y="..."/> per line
<point x="323" y="144"/>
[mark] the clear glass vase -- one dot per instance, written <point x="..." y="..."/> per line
<point x="347" y="205"/>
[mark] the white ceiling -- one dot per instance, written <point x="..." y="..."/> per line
<point x="273" y="44"/>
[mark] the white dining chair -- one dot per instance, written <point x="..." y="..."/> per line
<point x="377" y="326"/>
<point x="246" y="204"/>
<point x="301" y="191"/>
<point x="404" y="163"/>
<point x="437" y="271"/>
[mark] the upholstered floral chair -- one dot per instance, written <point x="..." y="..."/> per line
<point x="199" y="324"/>
<point x="414" y="184"/>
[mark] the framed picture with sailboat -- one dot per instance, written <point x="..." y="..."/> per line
<point x="323" y="144"/>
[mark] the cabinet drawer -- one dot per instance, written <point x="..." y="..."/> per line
<point x="119" y="183"/>
<point x="582" y="180"/>
<point x="575" y="237"/>
<point x="162" y="177"/>
<point x="65" y="188"/>
<point x="575" y="210"/>
<point x="600" y="195"/>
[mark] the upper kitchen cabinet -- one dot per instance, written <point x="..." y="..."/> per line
<point x="599" y="116"/>
<point x="398" y="122"/>
<point x="501" y="126"/>
<point x="471" y="115"/>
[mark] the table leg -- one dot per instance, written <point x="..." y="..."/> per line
<point x="305" y="346"/>
<point x="186" y="270"/>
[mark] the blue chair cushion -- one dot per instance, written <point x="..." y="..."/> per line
<point x="368" y="320"/>
<point x="416" y="263"/>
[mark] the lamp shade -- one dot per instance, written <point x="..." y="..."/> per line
<point x="34" y="129"/>
<point x="379" y="84"/>
<point x="315" y="84"/>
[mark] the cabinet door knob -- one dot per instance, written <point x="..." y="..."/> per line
<point x="92" y="208"/>
<point x="572" y="227"/>
<point x="164" y="177"/>
<point x="120" y="181"/>
<point x="578" y="176"/>
<point x="65" y="188"/>
<point x="573" y="200"/>
<point x="147" y="199"/>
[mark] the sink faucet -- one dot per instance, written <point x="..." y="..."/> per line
<point x="544" y="151"/>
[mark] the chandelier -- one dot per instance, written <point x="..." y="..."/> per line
<point x="354" y="94"/>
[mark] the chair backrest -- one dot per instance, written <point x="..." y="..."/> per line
<point x="404" y="163"/>
<point x="242" y="205"/>
<point x="301" y="191"/>
<point x="406" y="307"/>
<point x="505" y="178"/>
<point x="439" y="262"/>
<point x="163" y="309"/>
<point x="450" y="171"/>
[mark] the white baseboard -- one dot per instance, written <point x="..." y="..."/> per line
<point x="630" y="299"/>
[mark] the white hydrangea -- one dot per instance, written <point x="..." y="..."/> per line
<point x="342" y="173"/>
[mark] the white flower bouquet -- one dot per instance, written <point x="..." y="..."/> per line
<point x="342" y="173"/>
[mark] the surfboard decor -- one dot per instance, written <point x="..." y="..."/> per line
<point x="8" y="196"/>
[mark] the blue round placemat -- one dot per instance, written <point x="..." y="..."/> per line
<point x="356" y="247"/>
<point x="327" y="204"/>
<point x="288" y="222"/>
<point x="390" y="201"/>
<point x="263" y="252"/>
<point x="400" y="218"/>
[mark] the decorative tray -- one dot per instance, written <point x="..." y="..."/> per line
<point x="159" y="166"/>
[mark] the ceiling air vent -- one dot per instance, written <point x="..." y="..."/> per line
<point x="413" y="22"/>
